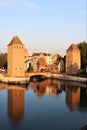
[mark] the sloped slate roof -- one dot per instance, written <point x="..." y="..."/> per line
<point x="15" y="41"/>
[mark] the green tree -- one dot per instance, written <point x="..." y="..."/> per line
<point x="3" y="60"/>
<point x="5" y="66"/>
<point x="30" y="69"/>
<point x="83" y="48"/>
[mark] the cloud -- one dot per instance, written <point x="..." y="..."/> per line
<point x="18" y="3"/>
<point x="32" y="5"/>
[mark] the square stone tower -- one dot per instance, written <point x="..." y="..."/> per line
<point x="73" y="59"/>
<point x="16" y="51"/>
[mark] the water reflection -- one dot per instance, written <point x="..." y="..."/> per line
<point x="47" y="87"/>
<point x="49" y="100"/>
<point x="75" y="96"/>
<point x="83" y="98"/>
<point x="16" y="102"/>
<point x="72" y="96"/>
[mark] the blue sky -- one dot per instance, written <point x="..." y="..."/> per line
<point x="43" y="25"/>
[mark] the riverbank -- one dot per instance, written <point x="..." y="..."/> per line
<point x="70" y="78"/>
<point x="14" y="80"/>
<point x="25" y="80"/>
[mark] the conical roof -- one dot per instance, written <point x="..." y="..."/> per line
<point x="73" y="47"/>
<point x="15" y="41"/>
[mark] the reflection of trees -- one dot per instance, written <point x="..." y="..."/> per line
<point x="47" y="87"/>
<point x="16" y="102"/>
<point x="83" y="97"/>
<point x="76" y="97"/>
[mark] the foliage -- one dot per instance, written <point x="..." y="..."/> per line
<point x="30" y="68"/>
<point x="83" y="48"/>
<point x="5" y="66"/>
<point x="3" y="60"/>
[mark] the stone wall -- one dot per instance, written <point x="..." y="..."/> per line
<point x="73" y="59"/>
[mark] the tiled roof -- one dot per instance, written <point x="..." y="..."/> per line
<point x="15" y="41"/>
<point x="73" y="47"/>
<point x="38" y="54"/>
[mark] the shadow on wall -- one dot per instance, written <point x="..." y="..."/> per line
<point x="73" y="69"/>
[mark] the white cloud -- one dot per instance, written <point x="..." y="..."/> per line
<point x="16" y="3"/>
<point x="32" y="5"/>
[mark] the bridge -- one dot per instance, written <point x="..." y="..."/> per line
<point x="46" y="74"/>
<point x="37" y="76"/>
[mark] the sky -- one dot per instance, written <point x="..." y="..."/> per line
<point x="49" y="26"/>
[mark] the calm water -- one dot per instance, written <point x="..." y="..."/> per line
<point x="46" y="105"/>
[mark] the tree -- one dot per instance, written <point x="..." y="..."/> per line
<point x="83" y="48"/>
<point x="5" y="66"/>
<point x="3" y="59"/>
<point x="30" y="68"/>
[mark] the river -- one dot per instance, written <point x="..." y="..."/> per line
<point x="45" y="105"/>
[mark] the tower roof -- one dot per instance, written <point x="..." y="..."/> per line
<point x="73" y="47"/>
<point x="15" y="41"/>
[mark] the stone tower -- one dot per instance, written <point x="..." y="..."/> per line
<point x="73" y="59"/>
<point x="16" y="51"/>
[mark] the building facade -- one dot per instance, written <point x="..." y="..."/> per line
<point x="73" y="59"/>
<point x="41" y="62"/>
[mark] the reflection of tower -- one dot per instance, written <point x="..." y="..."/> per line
<point x="16" y="102"/>
<point x="72" y="96"/>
